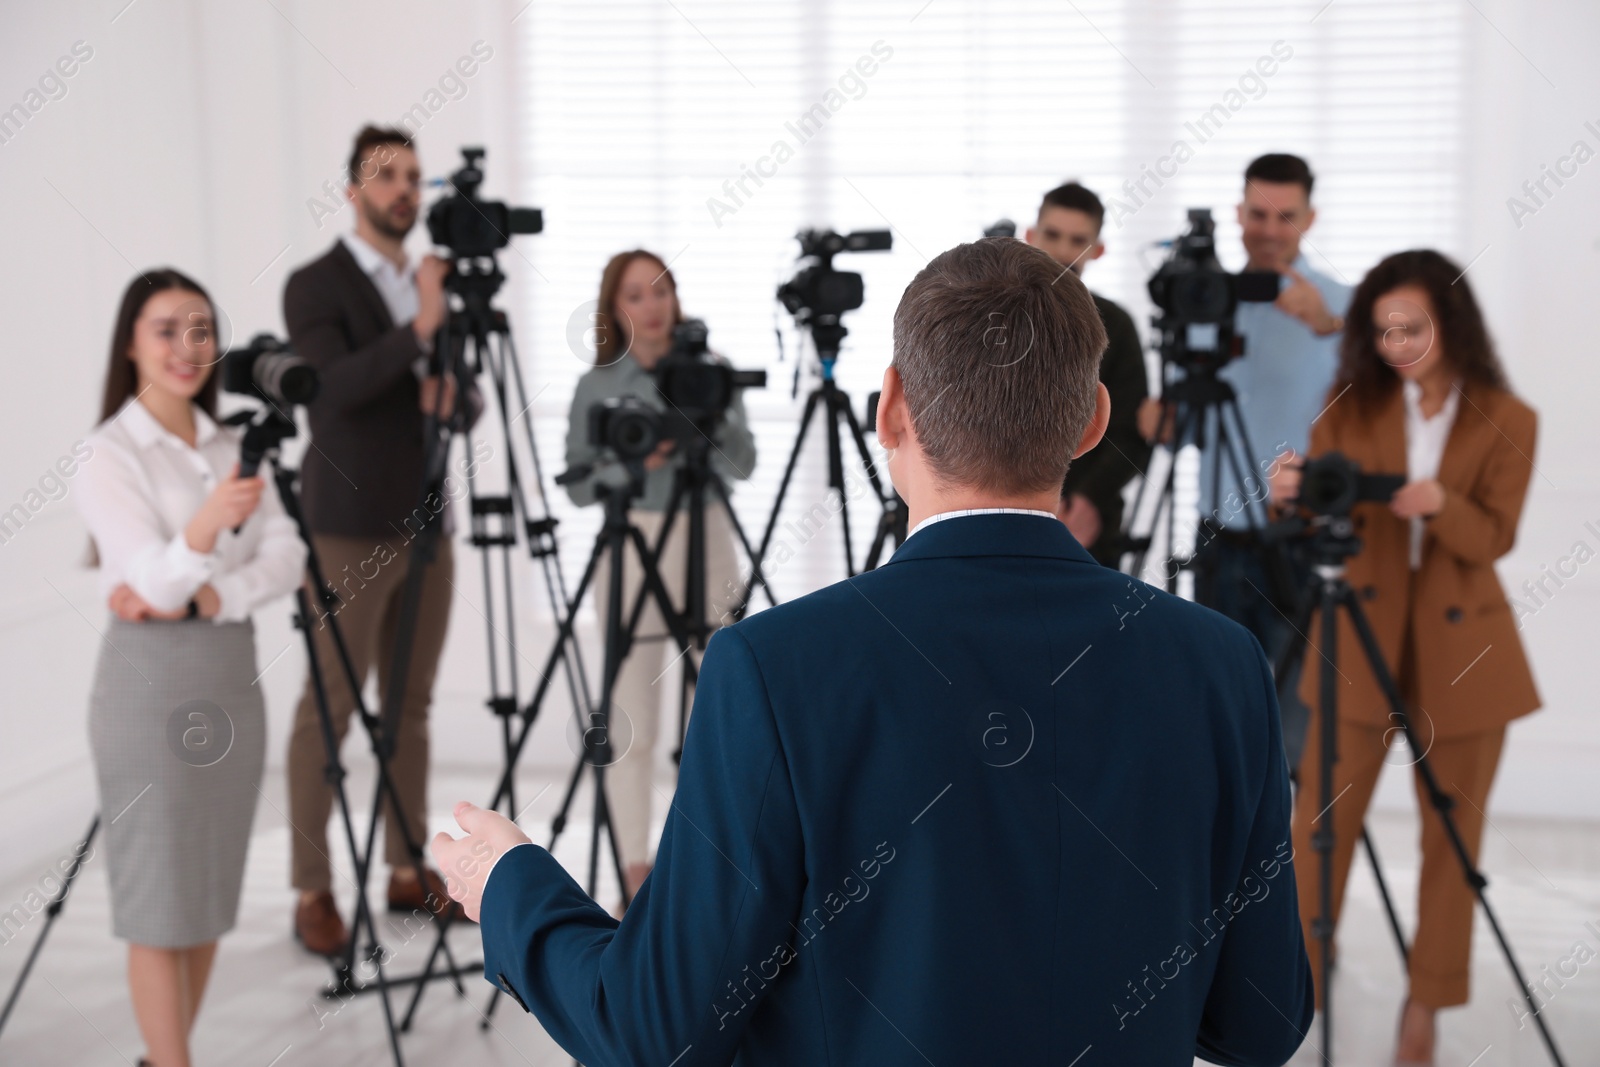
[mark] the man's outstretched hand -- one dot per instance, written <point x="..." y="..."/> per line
<point x="466" y="862"/>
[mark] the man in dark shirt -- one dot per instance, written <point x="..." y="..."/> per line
<point x="1068" y="228"/>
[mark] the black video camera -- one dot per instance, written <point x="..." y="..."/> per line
<point x="1332" y="484"/>
<point x="696" y="385"/>
<point x="817" y="292"/>
<point x="267" y="370"/>
<point x="470" y="227"/>
<point x="1197" y="298"/>
<point x="698" y="391"/>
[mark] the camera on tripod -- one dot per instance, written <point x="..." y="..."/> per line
<point x="1332" y="484"/>
<point x="818" y="292"/>
<point x="471" y="227"/>
<point x="1197" y="298"/>
<point x="697" y="385"/>
<point x="697" y="388"/>
<point x="267" y="370"/>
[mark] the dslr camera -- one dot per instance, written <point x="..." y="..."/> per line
<point x="1197" y="298"/>
<point x="1332" y="484"/>
<point x="471" y="227"/>
<point x="267" y="370"/>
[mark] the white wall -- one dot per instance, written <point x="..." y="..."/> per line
<point x="197" y="133"/>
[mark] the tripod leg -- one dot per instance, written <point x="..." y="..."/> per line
<point x="839" y="408"/>
<point x="757" y="577"/>
<point x="52" y="911"/>
<point x="788" y="470"/>
<point x="1443" y="805"/>
<point x="1322" y="839"/>
<point x="1388" y="901"/>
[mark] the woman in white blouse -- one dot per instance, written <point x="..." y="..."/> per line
<point x="186" y="550"/>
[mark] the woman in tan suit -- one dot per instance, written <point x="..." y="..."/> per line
<point x="1421" y="393"/>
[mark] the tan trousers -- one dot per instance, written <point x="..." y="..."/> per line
<point x="1441" y="951"/>
<point x="649" y="675"/>
<point x="369" y="575"/>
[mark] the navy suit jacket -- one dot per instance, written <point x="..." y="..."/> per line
<point x="989" y="803"/>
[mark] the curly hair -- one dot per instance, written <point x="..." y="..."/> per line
<point x="1463" y="335"/>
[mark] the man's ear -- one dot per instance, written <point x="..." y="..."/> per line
<point x="1311" y="218"/>
<point x="1097" y="425"/>
<point x="891" y="409"/>
<point x="1098" y="250"/>
<point x="1031" y="236"/>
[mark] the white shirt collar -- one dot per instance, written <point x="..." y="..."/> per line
<point x="144" y="430"/>
<point x="370" y="260"/>
<point x="1412" y="392"/>
<point x="941" y="516"/>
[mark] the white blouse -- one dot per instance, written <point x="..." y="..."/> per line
<point x="138" y="491"/>
<point x="1425" y="439"/>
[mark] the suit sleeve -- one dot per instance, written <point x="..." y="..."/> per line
<point x="728" y="880"/>
<point x="1482" y="526"/>
<point x="350" y="378"/>
<point x="1261" y="999"/>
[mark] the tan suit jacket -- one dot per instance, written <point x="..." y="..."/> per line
<point x="1469" y="672"/>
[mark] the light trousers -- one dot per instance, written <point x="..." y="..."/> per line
<point x="649" y="675"/>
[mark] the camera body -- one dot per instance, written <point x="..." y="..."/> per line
<point x="1332" y="484"/>
<point x="267" y="370"/>
<point x="471" y="227"/>
<point x="818" y="292"/>
<point x="694" y="384"/>
<point x="698" y="391"/>
<point x="1197" y="298"/>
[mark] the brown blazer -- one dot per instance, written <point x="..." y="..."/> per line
<point x="1469" y="672"/>
<point x="363" y="474"/>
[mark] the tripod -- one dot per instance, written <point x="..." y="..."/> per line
<point x="80" y="855"/>
<point x="1332" y="542"/>
<point x="827" y="334"/>
<point x="261" y="439"/>
<point x="689" y="486"/>
<point x="1205" y="414"/>
<point x="617" y="534"/>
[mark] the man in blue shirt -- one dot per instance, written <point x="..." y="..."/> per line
<point x="989" y="803"/>
<point x="1291" y="354"/>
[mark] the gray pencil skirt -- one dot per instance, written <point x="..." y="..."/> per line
<point x="178" y="733"/>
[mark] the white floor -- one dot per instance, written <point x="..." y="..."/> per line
<point x="264" y="1008"/>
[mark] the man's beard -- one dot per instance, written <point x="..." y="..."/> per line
<point x="379" y="220"/>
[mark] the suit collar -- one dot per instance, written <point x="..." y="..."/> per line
<point x="994" y="535"/>
<point x="362" y="281"/>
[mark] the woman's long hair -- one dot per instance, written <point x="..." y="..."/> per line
<point x="1458" y="327"/>
<point x="608" y="344"/>
<point x="122" y="377"/>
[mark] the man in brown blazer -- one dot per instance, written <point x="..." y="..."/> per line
<point x="366" y="318"/>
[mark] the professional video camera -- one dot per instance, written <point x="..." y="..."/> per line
<point x="819" y="294"/>
<point x="697" y="389"/>
<point x="267" y="370"/>
<point x="696" y="385"/>
<point x="1332" y="484"/>
<point x="1197" y="298"/>
<point x="470" y="227"/>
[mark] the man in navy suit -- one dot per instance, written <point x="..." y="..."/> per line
<point x="991" y="803"/>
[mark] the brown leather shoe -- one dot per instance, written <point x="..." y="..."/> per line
<point x="412" y="895"/>
<point x="318" y="927"/>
